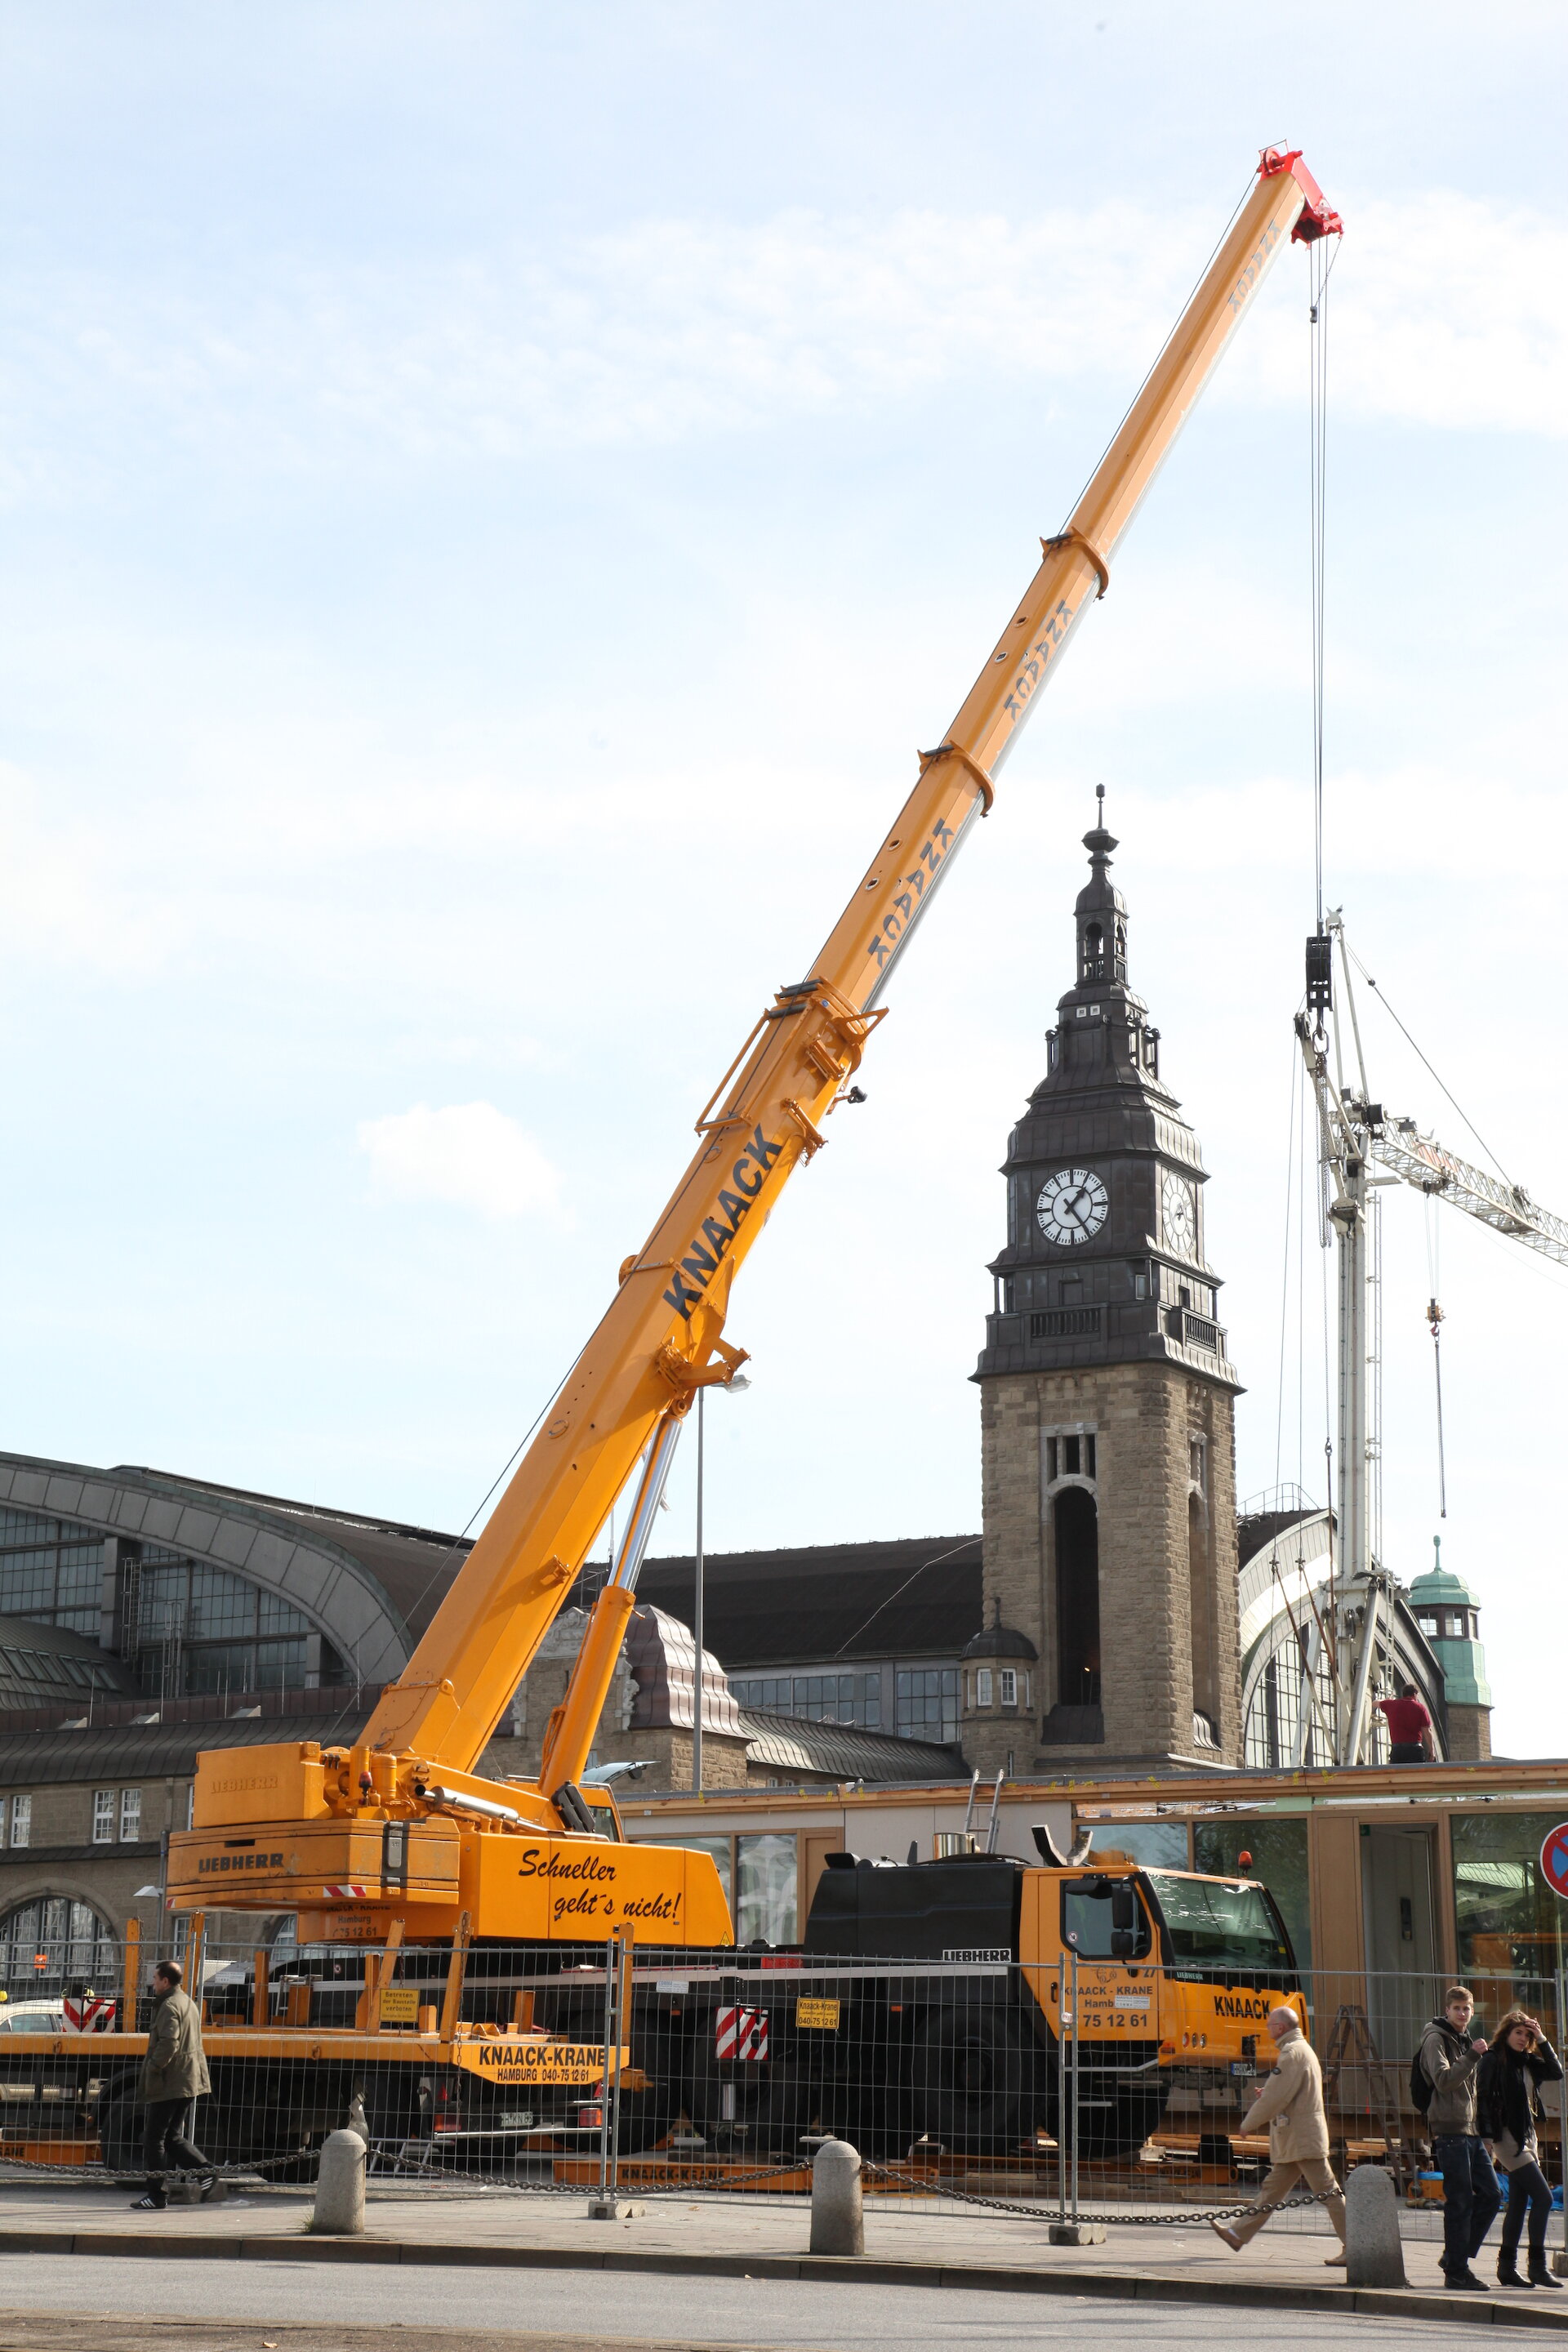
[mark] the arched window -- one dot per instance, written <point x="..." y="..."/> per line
<point x="1201" y="1609"/>
<point x="1076" y="1525"/>
<point x="1093" y="952"/>
<point x="53" y="1945"/>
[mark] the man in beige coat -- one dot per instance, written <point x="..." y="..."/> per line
<point x="1290" y="2101"/>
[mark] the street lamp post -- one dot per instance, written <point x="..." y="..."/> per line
<point x="737" y="1382"/>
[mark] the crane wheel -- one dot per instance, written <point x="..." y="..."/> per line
<point x="974" y="2080"/>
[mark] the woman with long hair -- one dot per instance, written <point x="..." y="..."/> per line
<point x="1519" y="2060"/>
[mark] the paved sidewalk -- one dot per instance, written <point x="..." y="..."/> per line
<point x="719" y="2237"/>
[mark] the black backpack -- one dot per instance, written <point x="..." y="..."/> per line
<point x="1420" y="2086"/>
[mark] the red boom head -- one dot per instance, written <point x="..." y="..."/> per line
<point x="1317" y="218"/>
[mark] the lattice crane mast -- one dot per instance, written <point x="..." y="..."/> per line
<point x="1354" y="1131"/>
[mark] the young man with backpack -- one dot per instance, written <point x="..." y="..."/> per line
<point x="1443" y="2085"/>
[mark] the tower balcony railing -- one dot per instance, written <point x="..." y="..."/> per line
<point x="1065" y="1323"/>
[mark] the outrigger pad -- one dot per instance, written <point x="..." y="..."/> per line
<point x="1050" y="1852"/>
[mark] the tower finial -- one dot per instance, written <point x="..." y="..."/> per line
<point x="1099" y="805"/>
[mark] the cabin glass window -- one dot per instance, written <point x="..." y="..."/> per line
<point x="1087" y="1919"/>
<point x="765" y="1873"/>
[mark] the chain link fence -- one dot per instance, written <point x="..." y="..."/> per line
<point x="1081" y="2089"/>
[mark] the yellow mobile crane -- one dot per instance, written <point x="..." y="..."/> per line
<point x="400" y="1828"/>
<point x="398" y="1843"/>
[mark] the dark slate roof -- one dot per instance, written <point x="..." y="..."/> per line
<point x="919" y="1596"/>
<point x="154" y="1751"/>
<point x="1256" y="1528"/>
<point x="789" y="1744"/>
<point x="414" y="1565"/>
<point x="1000" y="1642"/>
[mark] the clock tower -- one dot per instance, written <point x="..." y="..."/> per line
<point x="1107" y="1404"/>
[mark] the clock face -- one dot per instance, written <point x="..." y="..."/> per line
<point x="1181" y="1217"/>
<point x="1072" y="1206"/>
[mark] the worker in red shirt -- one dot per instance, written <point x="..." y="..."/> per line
<point x="1409" y="1726"/>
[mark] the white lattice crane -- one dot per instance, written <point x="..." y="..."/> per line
<point x="1354" y="1132"/>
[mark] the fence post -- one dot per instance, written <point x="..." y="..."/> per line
<point x="1559" y="2260"/>
<point x="1062" y="2093"/>
<point x="605" y="2204"/>
<point x="1067" y="2229"/>
<point x="1075" y="2083"/>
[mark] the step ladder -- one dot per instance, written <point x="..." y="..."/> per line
<point x="1350" y="2044"/>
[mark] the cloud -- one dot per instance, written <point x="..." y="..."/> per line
<point x="670" y="329"/>
<point x="469" y="1155"/>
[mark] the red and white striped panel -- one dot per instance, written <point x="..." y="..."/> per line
<point x="344" y="1894"/>
<point x="741" y="2033"/>
<point x="87" y="2015"/>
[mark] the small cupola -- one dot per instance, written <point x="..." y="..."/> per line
<point x="998" y="1669"/>
<point x="1449" y="1613"/>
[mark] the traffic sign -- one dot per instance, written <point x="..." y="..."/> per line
<point x="1554" y="1860"/>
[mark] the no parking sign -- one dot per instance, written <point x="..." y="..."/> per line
<point x="1554" y="1860"/>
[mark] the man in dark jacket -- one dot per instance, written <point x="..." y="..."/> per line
<point x="1450" y="2057"/>
<point x="174" y="2076"/>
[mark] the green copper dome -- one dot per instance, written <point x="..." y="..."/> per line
<point x="1446" y="1598"/>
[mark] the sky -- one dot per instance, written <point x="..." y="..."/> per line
<point x="494" y="496"/>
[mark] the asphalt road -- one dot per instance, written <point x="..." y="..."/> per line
<point x="51" y="2303"/>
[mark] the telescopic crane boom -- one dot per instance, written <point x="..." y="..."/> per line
<point x="662" y="1335"/>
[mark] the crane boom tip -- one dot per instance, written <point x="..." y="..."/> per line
<point x="1318" y="218"/>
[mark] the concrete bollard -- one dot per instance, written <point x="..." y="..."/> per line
<point x="837" y="2216"/>
<point x="1374" y="2254"/>
<point x="340" y="2187"/>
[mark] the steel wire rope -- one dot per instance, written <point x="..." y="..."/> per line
<point x="1435" y="1324"/>
<point x="1321" y="266"/>
<point x="1426" y="1065"/>
<point x="1165" y="347"/>
<point x="1285" y="1268"/>
<point x="967" y="1545"/>
<point x="452" y="1550"/>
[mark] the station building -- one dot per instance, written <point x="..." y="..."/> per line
<point x="1118" y="1643"/>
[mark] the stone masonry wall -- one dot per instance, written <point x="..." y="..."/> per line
<point x="1469" y="1734"/>
<point x="1144" y="1417"/>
